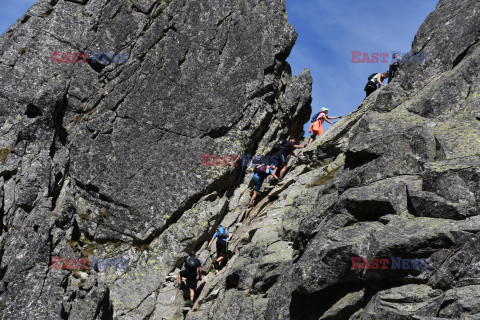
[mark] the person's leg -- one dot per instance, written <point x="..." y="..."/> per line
<point x="257" y="185"/>
<point x="394" y="72"/>
<point x="282" y="166"/>
<point x="312" y="138"/>
<point x="275" y="171"/>
<point x="370" y="90"/>
<point x="221" y="258"/>
<point x="251" y="185"/>
<point x="179" y="279"/>
<point x="192" y="285"/>
<point x="279" y="166"/>
<point x="282" y="172"/>
<point x="390" y="74"/>
<point x="252" y="200"/>
<point x="221" y="253"/>
<point x="192" y="294"/>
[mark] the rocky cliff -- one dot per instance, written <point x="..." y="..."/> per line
<point x="104" y="160"/>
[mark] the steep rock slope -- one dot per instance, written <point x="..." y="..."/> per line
<point x="99" y="161"/>
<point x="104" y="160"/>
<point x="399" y="177"/>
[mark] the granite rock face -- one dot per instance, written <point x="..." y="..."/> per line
<point x="104" y="161"/>
<point x="104" y="158"/>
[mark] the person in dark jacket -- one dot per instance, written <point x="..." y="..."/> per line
<point x="282" y="154"/>
<point x="192" y="268"/>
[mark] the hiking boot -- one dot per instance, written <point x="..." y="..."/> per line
<point x="249" y="205"/>
<point x="190" y="304"/>
<point x="215" y="264"/>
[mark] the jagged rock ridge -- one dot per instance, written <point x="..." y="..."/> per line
<point x="105" y="160"/>
<point x="98" y="161"/>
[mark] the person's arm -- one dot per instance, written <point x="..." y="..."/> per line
<point x="326" y="118"/>
<point x="200" y="273"/>
<point x="331" y="118"/>
<point x="272" y="173"/>
<point x="210" y="243"/>
<point x="297" y="146"/>
<point x="379" y="79"/>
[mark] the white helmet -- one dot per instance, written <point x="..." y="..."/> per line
<point x="324" y="109"/>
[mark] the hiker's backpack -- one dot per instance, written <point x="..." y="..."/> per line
<point x="372" y="76"/>
<point x="191" y="265"/>
<point x="371" y="83"/>
<point x="279" y="145"/>
<point x="259" y="168"/>
<point x="222" y="233"/>
<point x="315" y="116"/>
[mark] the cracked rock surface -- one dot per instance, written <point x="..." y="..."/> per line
<point x="105" y="161"/>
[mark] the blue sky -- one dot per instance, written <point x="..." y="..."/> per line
<point x="328" y="31"/>
<point x="11" y="11"/>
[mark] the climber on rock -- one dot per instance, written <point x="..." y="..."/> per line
<point x="317" y="126"/>
<point x="192" y="268"/>
<point x="374" y="80"/>
<point x="283" y="149"/>
<point x="394" y="66"/>
<point x="260" y="173"/>
<point x="222" y="238"/>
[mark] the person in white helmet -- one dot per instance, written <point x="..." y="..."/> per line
<point x="316" y="126"/>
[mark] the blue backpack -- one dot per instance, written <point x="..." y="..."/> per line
<point x="315" y="116"/>
<point x="222" y="233"/>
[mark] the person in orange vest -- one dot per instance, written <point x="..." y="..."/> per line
<point x="316" y="127"/>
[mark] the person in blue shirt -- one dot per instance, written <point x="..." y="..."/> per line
<point x="222" y="235"/>
<point x="257" y="181"/>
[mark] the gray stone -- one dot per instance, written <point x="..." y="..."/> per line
<point x="103" y="160"/>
